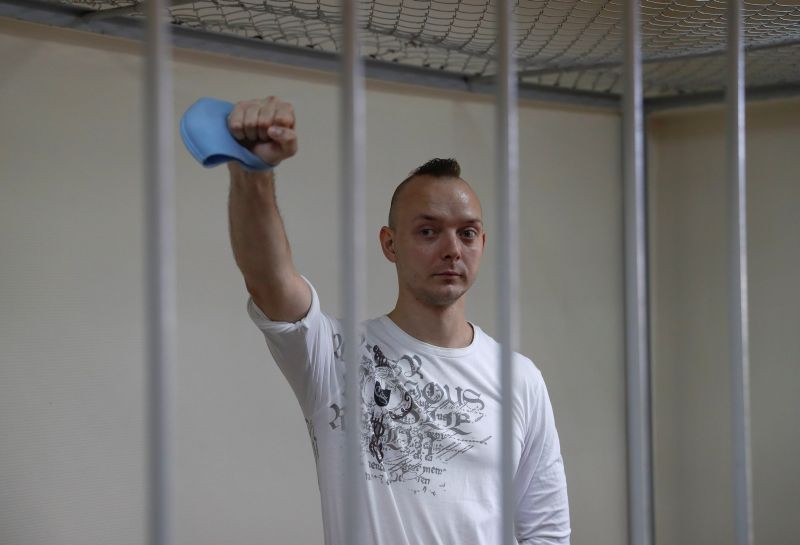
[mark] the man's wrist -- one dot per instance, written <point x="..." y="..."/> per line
<point x="241" y="173"/>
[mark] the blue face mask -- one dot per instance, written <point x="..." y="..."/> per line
<point x="204" y="130"/>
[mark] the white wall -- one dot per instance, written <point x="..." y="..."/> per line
<point x="71" y="326"/>
<point x="690" y="295"/>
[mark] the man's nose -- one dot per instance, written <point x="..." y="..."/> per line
<point x="451" y="247"/>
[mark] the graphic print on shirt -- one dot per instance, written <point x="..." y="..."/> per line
<point x="412" y="426"/>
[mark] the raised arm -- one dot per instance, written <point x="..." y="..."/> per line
<point x="267" y="128"/>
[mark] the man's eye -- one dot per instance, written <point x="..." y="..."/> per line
<point x="426" y="232"/>
<point x="470" y="233"/>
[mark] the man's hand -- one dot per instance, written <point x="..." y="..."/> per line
<point x="265" y="127"/>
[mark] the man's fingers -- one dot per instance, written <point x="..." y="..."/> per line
<point x="281" y="135"/>
<point x="285" y="138"/>
<point x="236" y="122"/>
<point x="266" y="117"/>
<point x="284" y="115"/>
<point x="251" y="116"/>
<point x="269" y="122"/>
<point x="264" y="123"/>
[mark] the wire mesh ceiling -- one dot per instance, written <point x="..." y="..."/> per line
<point x="568" y="44"/>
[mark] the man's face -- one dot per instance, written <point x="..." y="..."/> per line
<point x="437" y="241"/>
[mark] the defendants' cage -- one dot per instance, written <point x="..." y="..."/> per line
<point x="592" y="52"/>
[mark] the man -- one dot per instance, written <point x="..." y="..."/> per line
<point x="430" y="380"/>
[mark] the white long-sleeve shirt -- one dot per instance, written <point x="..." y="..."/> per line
<point x="430" y="434"/>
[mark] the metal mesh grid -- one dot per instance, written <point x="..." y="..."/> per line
<point x="575" y="44"/>
<point x="764" y="68"/>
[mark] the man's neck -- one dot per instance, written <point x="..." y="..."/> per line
<point x="440" y="326"/>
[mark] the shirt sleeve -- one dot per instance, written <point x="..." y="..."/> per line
<point x="540" y="483"/>
<point x="305" y="350"/>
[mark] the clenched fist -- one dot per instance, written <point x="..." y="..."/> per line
<point x="265" y="127"/>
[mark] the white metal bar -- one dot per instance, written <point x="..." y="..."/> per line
<point x="640" y="467"/>
<point x="739" y="326"/>
<point x="507" y="173"/>
<point x="161" y="275"/>
<point x="353" y="141"/>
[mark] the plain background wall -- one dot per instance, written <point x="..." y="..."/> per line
<point x="689" y="221"/>
<point x="71" y="327"/>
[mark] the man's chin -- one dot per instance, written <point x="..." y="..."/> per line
<point x="446" y="296"/>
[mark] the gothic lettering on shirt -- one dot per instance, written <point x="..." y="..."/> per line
<point x="378" y="429"/>
<point x="411" y="426"/>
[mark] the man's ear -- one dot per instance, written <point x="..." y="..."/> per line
<point x="386" y="237"/>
